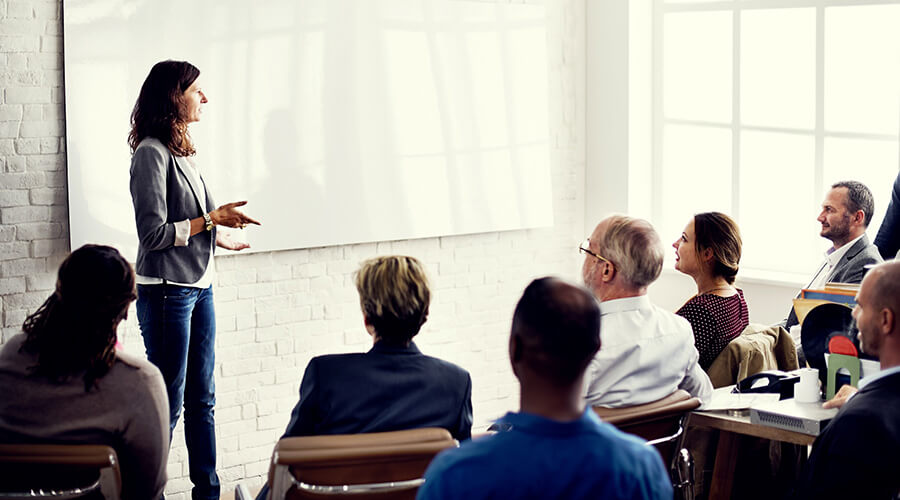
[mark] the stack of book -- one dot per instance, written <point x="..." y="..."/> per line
<point x="839" y="293"/>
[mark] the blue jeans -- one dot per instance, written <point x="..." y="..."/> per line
<point x="178" y="325"/>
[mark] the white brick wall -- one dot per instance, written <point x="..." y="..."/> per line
<point x="277" y="310"/>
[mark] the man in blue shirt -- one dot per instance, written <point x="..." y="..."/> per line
<point x="554" y="447"/>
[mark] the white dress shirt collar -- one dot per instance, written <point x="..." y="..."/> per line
<point x="834" y="255"/>
<point x="625" y="304"/>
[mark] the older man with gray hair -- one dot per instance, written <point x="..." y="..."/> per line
<point x="647" y="352"/>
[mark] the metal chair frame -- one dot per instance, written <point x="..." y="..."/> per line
<point x="643" y="420"/>
<point x="319" y="466"/>
<point x="101" y="458"/>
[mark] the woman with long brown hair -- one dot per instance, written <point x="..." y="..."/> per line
<point x="176" y="224"/>
<point x="64" y="381"/>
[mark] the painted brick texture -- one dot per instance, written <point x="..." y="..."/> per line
<point x="277" y="310"/>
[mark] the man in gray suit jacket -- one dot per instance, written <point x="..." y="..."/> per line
<point x="846" y="213"/>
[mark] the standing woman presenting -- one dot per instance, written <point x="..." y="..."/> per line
<point x="176" y="225"/>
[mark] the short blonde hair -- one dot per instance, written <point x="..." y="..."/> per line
<point x="394" y="296"/>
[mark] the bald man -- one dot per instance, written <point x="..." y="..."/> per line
<point x="858" y="454"/>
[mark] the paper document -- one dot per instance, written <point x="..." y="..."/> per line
<point x="723" y="399"/>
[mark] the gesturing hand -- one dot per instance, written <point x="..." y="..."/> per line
<point x="229" y="216"/>
<point x="225" y="241"/>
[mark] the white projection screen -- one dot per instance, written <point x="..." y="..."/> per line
<point x="341" y="121"/>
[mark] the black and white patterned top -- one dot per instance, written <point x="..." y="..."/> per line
<point x="716" y="321"/>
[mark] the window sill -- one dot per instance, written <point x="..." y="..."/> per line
<point x="761" y="277"/>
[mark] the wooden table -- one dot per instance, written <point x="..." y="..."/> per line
<point x="730" y="429"/>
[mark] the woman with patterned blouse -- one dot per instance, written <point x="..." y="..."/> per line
<point x="709" y="251"/>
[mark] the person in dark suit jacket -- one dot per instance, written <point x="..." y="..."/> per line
<point x="858" y="453"/>
<point x="888" y="238"/>
<point x="393" y="386"/>
<point x="846" y="214"/>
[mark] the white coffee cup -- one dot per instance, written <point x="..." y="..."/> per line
<point x="807" y="389"/>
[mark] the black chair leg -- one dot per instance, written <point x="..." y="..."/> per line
<point x="683" y="474"/>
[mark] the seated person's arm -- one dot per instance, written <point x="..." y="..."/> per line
<point x="841" y="397"/>
<point x="305" y="416"/>
<point x="145" y="449"/>
<point x="696" y="381"/>
<point x="464" y="422"/>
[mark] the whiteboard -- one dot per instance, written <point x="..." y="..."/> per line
<point x="341" y="121"/>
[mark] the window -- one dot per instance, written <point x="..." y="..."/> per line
<point x="760" y="105"/>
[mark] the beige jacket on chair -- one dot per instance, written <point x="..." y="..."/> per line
<point x="758" y="348"/>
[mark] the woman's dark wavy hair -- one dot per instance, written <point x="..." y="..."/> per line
<point x="74" y="330"/>
<point x="719" y="232"/>
<point x="159" y="110"/>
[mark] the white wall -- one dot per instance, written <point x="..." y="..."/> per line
<point x="768" y="302"/>
<point x="276" y="310"/>
<point x="617" y="123"/>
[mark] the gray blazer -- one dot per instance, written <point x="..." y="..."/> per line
<point x="163" y="194"/>
<point x="850" y="269"/>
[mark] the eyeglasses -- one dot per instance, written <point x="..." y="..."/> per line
<point x="586" y="248"/>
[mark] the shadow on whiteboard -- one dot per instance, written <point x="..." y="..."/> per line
<point x="340" y="121"/>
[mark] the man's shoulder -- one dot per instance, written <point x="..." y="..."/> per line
<point x="595" y="443"/>
<point x="865" y="252"/>
<point x="516" y="459"/>
<point x="871" y="412"/>
<point x="672" y="322"/>
<point x="340" y="362"/>
<point x="446" y="366"/>
<point x="325" y="361"/>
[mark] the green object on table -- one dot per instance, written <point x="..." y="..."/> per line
<point x="835" y="363"/>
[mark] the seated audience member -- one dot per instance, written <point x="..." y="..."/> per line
<point x="64" y="382"/>
<point x="393" y="386"/>
<point x="709" y="251"/>
<point x="647" y="352"/>
<point x="858" y="453"/>
<point x="888" y="238"/>
<point x="555" y="447"/>
<point x="846" y="213"/>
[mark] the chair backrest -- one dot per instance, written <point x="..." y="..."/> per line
<point x="660" y="422"/>
<point x="382" y="465"/>
<point x="59" y="471"/>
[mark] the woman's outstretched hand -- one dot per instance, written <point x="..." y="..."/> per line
<point x="224" y="241"/>
<point x="229" y="216"/>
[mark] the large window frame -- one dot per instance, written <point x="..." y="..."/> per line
<point x="654" y="205"/>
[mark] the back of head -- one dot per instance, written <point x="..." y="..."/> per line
<point x="74" y="330"/>
<point x="394" y="296"/>
<point x="159" y="110"/>
<point x="634" y="248"/>
<point x="886" y="291"/>
<point x="558" y="328"/>
<point x="719" y="233"/>
<point x="859" y="197"/>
